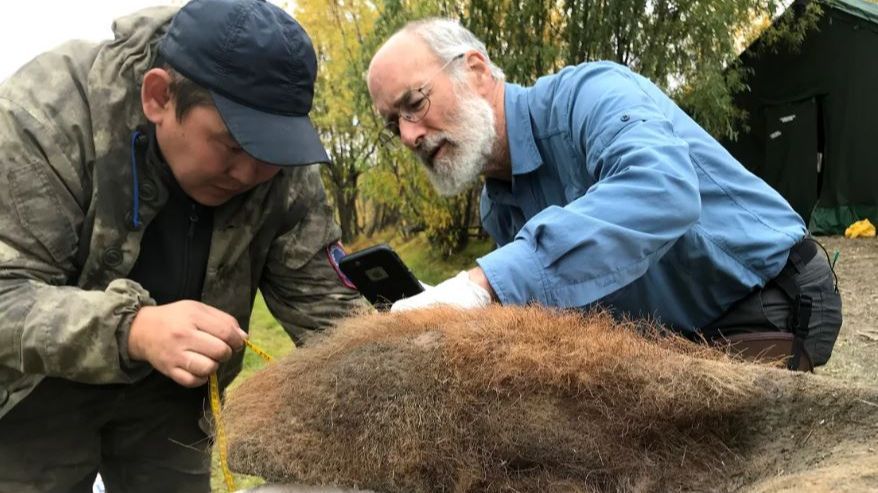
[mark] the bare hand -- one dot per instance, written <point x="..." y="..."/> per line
<point x="185" y="340"/>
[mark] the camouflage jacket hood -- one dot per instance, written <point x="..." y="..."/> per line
<point x="67" y="240"/>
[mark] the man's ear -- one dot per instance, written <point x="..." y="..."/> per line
<point x="481" y="71"/>
<point x="155" y="96"/>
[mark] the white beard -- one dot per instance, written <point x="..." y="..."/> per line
<point x="468" y="146"/>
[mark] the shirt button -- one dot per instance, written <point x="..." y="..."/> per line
<point x="112" y="257"/>
<point x="148" y="191"/>
<point x="625" y="117"/>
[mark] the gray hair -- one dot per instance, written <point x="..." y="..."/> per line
<point x="448" y="39"/>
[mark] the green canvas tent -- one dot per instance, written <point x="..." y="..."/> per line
<point x="813" y="118"/>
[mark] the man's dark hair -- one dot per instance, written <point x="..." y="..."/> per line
<point x="186" y="93"/>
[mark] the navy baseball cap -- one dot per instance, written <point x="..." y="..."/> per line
<point x="259" y="65"/>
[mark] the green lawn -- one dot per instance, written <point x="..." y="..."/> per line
<point x="268" y="335"/>
<point x="427" y="265"/>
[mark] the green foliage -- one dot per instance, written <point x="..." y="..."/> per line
<point x="396" y="181"/>
<point x="712" y="101"/>
<point x="342" y="111"/>
<point x="433" y="267"/>
<point x="522" y="36"/>
<point x="448" y="221"/>
<point x="791" y="28"/>
<point x="689" y="48"/>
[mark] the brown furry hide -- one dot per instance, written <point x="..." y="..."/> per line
<point x="530" y="399"/>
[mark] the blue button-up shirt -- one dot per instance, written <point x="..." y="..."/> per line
<point x="619" y="198"/>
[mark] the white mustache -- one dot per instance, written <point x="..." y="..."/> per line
<point x="428" y="146"/>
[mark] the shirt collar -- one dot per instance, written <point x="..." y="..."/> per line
<point x="523" y="150"/>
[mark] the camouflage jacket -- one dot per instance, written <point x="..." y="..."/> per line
<point x="67" y="241"/>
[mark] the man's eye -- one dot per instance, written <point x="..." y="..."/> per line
<point x="417" y="104"/>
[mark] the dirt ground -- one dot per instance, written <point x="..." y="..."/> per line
<point x="855" y="358"/>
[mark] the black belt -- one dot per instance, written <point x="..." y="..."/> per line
<point x="800" y="315"/>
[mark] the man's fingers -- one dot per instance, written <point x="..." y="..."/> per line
<point x="197" y="364"/>
<point x="209" y="345"/>
<point x="194" y="368"/>
<point x="185" y="378"/>
<point x="222" y="325"/>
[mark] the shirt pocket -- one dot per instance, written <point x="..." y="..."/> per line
<point x="571" y="165"/>
<point x="40" y="211"/>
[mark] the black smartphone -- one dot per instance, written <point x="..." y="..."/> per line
<point x="380" y="275"/>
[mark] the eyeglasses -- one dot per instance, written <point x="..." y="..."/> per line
<point x="413" y="108"/>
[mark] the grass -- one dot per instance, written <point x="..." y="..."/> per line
<point x="427" y="265"/>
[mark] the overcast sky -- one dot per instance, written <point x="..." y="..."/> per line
<point x="30" y="27"/>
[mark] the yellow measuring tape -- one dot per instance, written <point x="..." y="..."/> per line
<point x="221" y="442"/>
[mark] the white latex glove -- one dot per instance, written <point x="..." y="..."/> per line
<point x="458" y="291"/>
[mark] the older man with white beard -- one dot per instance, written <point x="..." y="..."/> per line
<point x="600" y="190"/>
<point x="457" y="168"/>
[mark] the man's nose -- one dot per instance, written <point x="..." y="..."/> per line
<point x="249" y="171"/>
<point x="243" y="168"/>
<point x="411" y="133"/>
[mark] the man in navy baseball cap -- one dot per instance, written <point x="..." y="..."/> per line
<point x="149" y="186"/>
<point x="259" y="65"/>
